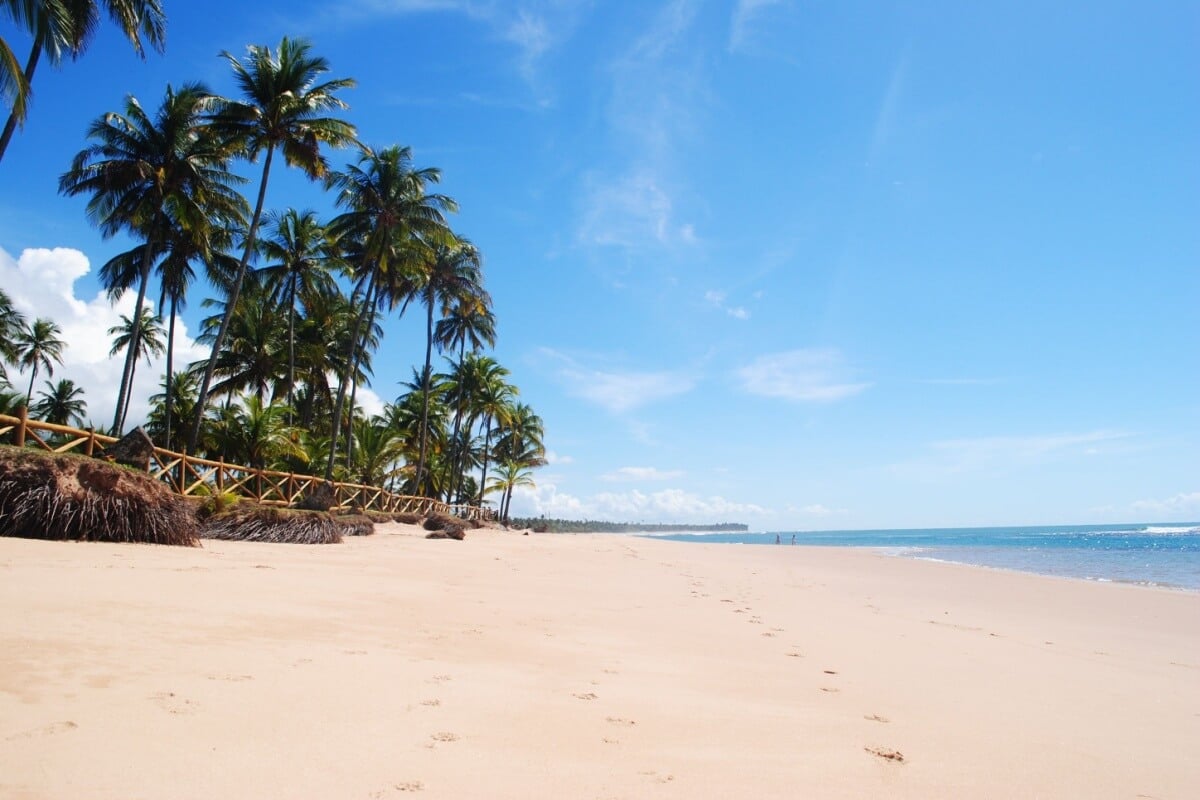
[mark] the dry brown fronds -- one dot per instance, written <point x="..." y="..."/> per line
<point x="44" y="496"/>
<point x="269" y="524"/>
<point x="408" y="517"/>
<point x="435" y="522"/>
<point x="355" y="525"/>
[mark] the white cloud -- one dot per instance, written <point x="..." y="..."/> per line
<point x="41" y="283"/>
<point x="716" y="299"/>
<point x="738" y="312"/>
<point x="952" y="456"/>
<point x="808" y="374"/>
<point x="667" y="505"/>
<point x="1184" y="503"/>
<point x="631" y="211"/>
<point x="618" y="391"/>
<point x="641" y="474"/>
<point x="745" y="14"/>
<point x="556" y="458"/>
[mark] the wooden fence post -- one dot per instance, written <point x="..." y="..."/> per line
<point x="90" y="449"/>
<point x="19" y="433"/>
<point x="221" y="475"/>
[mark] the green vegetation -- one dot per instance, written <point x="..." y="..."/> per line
<point x="544" y="525"/>
<point x="297" y="302"/>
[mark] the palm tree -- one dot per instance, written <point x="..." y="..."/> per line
<point x="378" y="448"/>
<point x="61" y="404"/>
<point x="146" y="175"/>
<point x="144" y="335"/>
<point x="453" y="274"/>
<point x="254" y="433"/>
<point x="171" y="408"/>
<point x="388" y="225"/>
<point x="518" y="450"/>
<point x="11" y="323"/>
<point x="39" y="346"/>
<point x="492" y="403"/>
<point x="510" y="474"/>
<point x="282" y="109"/>
<point x="66" y="27"/>
<point x="252" y="357"/>
<point x="303" y="254"/>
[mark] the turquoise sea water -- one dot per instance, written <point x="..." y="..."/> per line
<point x="1166" y="554"/>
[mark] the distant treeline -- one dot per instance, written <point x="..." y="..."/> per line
<point x="543" y="525"/>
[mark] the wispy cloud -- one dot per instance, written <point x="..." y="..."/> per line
<point x="617" y="391"/>
<point x="742" y="24"/>
<point x="951" y="456"/>
<point x="961" y="381"/>
<point x="534" y="28"/>
<point x="1180" y="504"/>
<point x="656" y="85"/>
<point x="642" y="474"/>
<point x="817" y="375"/>
<point x="717" y="300"/>
<point x="558" y="458"/>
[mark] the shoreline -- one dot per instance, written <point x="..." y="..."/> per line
<point x="604" y="666"/>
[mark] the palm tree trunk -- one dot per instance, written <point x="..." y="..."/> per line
<point x="231" y="304"/>
<point x="350" y="416"/>
<point x="11" y="125"/>
<point x="352" y="366"/>
<point x="291" y="344"/>
<point x="487" y="447"/>
<point x="456" y="470"/>
<point x="426" y="387"/>
<point x="167" y="402"/>
<point x="32" y="377"/>
<point x="134" y="339"/>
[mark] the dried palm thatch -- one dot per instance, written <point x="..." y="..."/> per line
<point x="250" y="523"/>
<point x="45" y="496"/>
<point x="454" y="532"/>
<point x="355" y="525"/>
<point x="436" y="522"/>
<point x="408" y="517"/>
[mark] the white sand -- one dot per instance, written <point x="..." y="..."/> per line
<point x="511" y="666"/>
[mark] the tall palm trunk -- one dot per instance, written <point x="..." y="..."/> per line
<point x="291" y="345"/>
<point x="487" y="449"/>
<point x="32" y="378"/>
<point x="168" y="401"/>
<point x="11" y="125"/>
<point x="426" y="388"/>
<point x="134" y="339"/>
<point x="231" y="303"/>
<point x="352" y="366"/>
<point x="457" y="466"/>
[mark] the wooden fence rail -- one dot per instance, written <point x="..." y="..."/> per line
<point x="191" y="476"/>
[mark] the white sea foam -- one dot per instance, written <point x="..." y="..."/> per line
<point x="1171" y="529"/>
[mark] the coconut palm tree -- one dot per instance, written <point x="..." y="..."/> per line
<point x="65" y="28"/>
<point x="303" y="257"/>
<point x="145" y="335"/>
<point x="282" y="108"/>
<point x="62" y="403"/>
<point x="453" y="274"/>
<point x="171" y="408"/>
<point x="252" y="359"/>
<point x="147" y="174"/>
<point x="377" y="449"/>
<point x="254" y="433"/>
<point x="38" y="345"/>
<point x="389" y="223"/>
<point x="491" y="403"/>
<point x="509" y="475"/>
<point x="11" y="323"/>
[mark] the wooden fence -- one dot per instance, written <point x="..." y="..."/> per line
<point x="188" y="475"/>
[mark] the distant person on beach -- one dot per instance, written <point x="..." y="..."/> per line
<point x="777" y="539"/>
<point x="793" y="538"/>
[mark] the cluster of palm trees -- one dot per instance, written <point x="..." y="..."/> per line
<point x="299" y="301"/>
<point x="36" y="347"/>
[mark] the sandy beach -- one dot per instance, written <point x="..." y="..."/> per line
<point x="589" y="666"/>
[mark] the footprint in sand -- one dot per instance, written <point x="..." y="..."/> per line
<point x="440" y="678"/>
<point x="444" y="736"/>
<point x="585" y="695"/>
<point x="234" y="678"/>
<point x="620" y="721"/>
<point x="875" y="718"/>
<point x="432" y="703"/>
<point x="173" y="703"/>
<point x="829" y="672"/>
<point x="407" y="786"/>
<point x="48" y="730"/>
<point x="667" y="778"/>
<point x="794" y="654"/>
<point x="830" y="689"/>
<point x="768" y="633"/>
<point x="607" y="740"/>
<point x="895" y="756"/>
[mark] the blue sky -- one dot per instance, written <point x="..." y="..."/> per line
<point x="804" y="265"/>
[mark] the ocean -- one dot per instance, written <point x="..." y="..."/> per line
<point x="1166" y="554"/>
